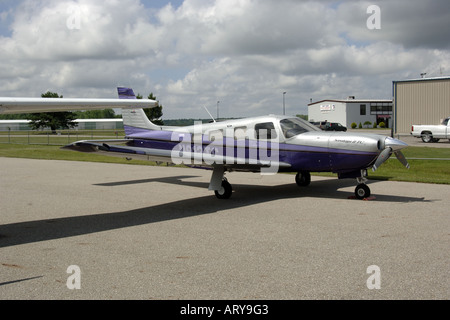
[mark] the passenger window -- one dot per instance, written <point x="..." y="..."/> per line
<point x="265" y="130"/>
<point x="240" y="133"/>
<point x="215" y="135"/>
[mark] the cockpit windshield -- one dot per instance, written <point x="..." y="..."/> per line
<point x="295" y="126"/>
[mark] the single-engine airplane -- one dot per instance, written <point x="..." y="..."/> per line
<point x="267" y="144"/>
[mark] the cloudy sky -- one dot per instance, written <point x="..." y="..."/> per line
<point x="243" y="53"/>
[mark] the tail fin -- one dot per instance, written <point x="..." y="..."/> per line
<point x="134" y="120"/>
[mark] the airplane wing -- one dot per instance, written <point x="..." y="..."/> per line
<point x="106" y="147"/>
<point x="201" y="160"/>
<point x="33" y="105"/>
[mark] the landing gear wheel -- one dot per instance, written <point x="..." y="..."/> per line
<point x="303" y="178"/>
<point x="362" y="191"/>
<point x="225" y="191"/>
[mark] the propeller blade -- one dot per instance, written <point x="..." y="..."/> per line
<point x="401" y="158"/>
<point x="384" y="155"/>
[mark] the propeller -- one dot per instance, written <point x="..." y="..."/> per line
<point x="384" y="155"/>
<point x="391" y="145"/>
<point x="401" y="158"/>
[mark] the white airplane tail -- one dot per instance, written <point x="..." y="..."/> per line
<point x="134" y="120"/>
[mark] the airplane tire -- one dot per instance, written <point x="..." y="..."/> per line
<point x="303" y="178"/>
<point x="225" y="191"/>
<point x="362" y="191"/>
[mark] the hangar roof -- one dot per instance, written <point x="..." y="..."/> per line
<point x="352" y="101"/>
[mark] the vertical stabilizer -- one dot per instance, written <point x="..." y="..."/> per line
<point x="134" y="120"/>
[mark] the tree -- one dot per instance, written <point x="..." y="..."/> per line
<point x="96" y="114"/>
<point x="53" y="120"/>
<point x="153" y="114"/>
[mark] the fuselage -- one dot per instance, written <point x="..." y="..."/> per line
<point x="288" y="140"/>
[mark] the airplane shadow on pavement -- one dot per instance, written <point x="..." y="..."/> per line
<point x="245" y="195"/>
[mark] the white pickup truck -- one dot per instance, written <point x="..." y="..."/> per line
<point x="430" y="133"/>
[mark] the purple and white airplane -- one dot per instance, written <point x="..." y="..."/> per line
<point x="267" y="144"/>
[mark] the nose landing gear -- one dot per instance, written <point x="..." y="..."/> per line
<point x="362" y="191"/>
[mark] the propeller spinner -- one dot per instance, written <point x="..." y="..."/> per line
<point x="391" y="145"/>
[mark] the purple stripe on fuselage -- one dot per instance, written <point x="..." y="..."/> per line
<point x="133" y="132"/>
<point x="170" y="137"/>
<point x="150" y="135"/>
<point x="308" y="158"/>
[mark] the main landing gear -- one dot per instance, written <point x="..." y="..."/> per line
<point x="303" y="178"/>
<point x="219" y="184"/>
<point x="362" y="190"/>
<point x="225" y="190"/>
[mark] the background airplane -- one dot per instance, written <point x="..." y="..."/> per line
<point x="267" y="144"/>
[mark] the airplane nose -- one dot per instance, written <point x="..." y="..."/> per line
<point x="394" y="144"/>
<point x="391" y="145"/>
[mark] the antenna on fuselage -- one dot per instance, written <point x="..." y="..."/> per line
<point x="210" y="114"/>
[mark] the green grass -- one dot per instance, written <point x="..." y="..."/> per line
<point x="426" y="171"/>
<point x="61" y="139"/>
<point x="85" y="132"/>
<point x="56" y="153"/>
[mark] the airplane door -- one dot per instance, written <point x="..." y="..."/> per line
<point x="330" y="158"/>
<point x="267" y="140"/>
<point x="324" y="161"/>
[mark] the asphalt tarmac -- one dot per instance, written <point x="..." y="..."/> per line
<point x="140" y="232"/>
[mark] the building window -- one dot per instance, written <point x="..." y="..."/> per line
<point x="381" y="108"/>
<point x="362" y="109"/>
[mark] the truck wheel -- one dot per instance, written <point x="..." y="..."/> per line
<point x="427" y="137"/>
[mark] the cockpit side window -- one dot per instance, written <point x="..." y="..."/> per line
<point x="295" y="126"/>
<point x="265" y="130"/>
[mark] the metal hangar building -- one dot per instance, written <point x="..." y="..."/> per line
<point x="420" y="101"/>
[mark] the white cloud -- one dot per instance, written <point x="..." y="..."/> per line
<point x="414" y="24"/>
<point x="244" y="53"/>
<point x="105" y="30"/>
